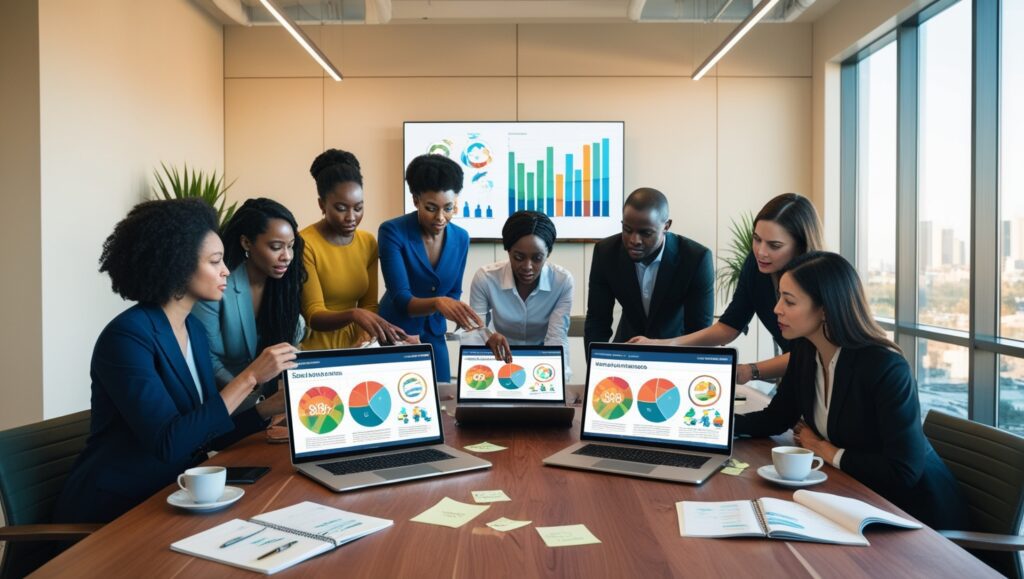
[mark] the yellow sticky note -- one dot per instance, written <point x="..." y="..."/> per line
<point x="505" y="525"/>
<point x="490" y="496"/>
<point x="567" y="536"/>
<point x="731" y="470"/>
<point x="485" y="447"/>
<point x="449" y="513"/>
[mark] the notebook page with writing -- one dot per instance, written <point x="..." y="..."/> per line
<point x="246" y="553"/>
<point x="850" y="513"/>
<point x="718" y="519"/>
<point x="793" y="521"/>
<point x="323" y="521"/>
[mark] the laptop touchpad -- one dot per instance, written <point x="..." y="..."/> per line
<point x="404" y="472"/>
<point x="624" y="466"/>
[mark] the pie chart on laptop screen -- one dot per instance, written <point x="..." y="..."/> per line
<point x="511" y="376"/>
<point x="658" y="400"/>
<point x="369" y="403"/>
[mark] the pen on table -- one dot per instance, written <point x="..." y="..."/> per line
<point x="277" y="550"/>
<point x="230" y="542"/>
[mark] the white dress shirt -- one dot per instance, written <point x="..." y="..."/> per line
<point x="541" y="319"/>
<point x="647" y="274"/>
<point x="822" y="402"/>
<point x="190" y="361"/>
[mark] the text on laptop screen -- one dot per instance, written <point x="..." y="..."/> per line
<point x="533" y="375"/>
<point x="358" y="402"/>
<point x="675" y="397"/>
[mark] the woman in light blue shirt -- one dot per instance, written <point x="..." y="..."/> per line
<point x="527" y="299"/>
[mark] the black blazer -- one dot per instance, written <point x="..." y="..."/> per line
<point x="755" y="294"/>
<point x="875" y="415"/>
<point x="684" y="292"/>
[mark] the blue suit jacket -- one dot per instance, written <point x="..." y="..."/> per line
<point x="231" y="328"/>
<point x="148" y="424"/>
<point x="408" y="273"/>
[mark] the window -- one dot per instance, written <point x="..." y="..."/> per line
<point x="944" y="169"/>
<point x="1011" y="394"/>
<point x="876" y="179"/>
<point x="942" y="377"/>
<point x="1011" y="186"/>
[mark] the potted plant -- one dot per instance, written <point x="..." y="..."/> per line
<point x="736" y="253"/>
<point x="186" y="184"/>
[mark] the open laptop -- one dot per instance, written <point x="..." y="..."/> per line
<point x="366" y="417"/>
<point x="662" y="412"/>
<point x="530" y="389"/>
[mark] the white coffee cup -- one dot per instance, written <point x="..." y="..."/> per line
<point x="794" y="462"/>
<point x="204" y="483"/>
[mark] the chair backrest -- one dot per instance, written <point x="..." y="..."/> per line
<point x="989" y="465"/>
<point x="35" y="460"/>
<point x="576" y="324"/>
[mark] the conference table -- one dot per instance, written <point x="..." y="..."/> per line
<point x="635" y="520"/>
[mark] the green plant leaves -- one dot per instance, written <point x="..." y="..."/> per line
<point x="736" y="253"/>
<point x="186" y="184"/>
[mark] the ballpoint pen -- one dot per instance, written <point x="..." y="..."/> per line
<point x="230" y="542"/>
<point x="277" y="550"/>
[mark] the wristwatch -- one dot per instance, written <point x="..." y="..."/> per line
<point x="755" y="374"/>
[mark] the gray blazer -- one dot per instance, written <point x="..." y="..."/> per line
<point x="231" y="328"/>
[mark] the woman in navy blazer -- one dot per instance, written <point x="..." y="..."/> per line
<point x="849" y="396"/>
<point x="261" y="304"/>
<point x="423" y="256"/>
<point x="155" y="408"/>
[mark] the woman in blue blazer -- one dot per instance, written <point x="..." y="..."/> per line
<point x="423" y="256"/>
<point x="155" y="408"/>
<point x="261" y="304"/>
<point x="849" y="395"/>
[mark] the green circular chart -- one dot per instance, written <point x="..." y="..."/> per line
<point x="479" y="377"/>
<point x="704" y="391"/>
<point x="543" y="372"/>
<point x="612" y="398"/>
<point x="321" y="410"/>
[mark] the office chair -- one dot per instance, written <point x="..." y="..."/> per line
<point x="576" y="324"/>
<point x="989" y="465"/>
<point x="35" y="460"/>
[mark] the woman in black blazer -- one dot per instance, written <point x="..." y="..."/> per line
<point x="849" y="396"/>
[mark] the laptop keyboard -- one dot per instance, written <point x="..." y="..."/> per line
<point x="642" y="456"/>
<point x="385" y="461"/>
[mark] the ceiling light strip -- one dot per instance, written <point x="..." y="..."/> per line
<point x="759" y="12"/>
<point x="300" y="37"/>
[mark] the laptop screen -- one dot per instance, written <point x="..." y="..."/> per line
<point x="536" y="374"/>
<point x="351" y="401"/>
<point x="660" y="395"/>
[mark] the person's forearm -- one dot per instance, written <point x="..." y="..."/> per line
<point x="718" y="334"/>
<point x="238" y="389"/>
<point x="328" y="321"/>
<point x="773" y="368"/>
<point x="419" y="307"/>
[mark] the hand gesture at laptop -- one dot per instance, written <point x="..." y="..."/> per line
<point x="499" y="345"/>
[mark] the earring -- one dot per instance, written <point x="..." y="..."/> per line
<point x="246" y="254"/>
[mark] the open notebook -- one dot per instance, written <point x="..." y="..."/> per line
<point x="304" y="530"/>
<point x="817" y="517"/>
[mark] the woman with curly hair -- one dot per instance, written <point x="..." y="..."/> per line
<point x="156" y="410"/>
<point x="260" y="306"/>
<point x="340" y="299"/>
<point x="423" y="256"/>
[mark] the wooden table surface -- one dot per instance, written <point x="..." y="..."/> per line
<point x="635" y="519"/>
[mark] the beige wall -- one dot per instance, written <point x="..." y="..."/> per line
<point x="839" y="34"/>
<point x="123" y="86"/>
<point x="716" y="147"/>
<point x="21" y="394"/>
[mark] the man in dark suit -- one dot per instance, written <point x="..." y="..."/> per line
<point x="665" y="282"/>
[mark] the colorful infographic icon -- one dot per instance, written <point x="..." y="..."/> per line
<point x="412" y="388"/>
<point x="543" y="372"/>
<point x="511" y="376"/>
<point x="321" y="410"/>
<point x="479" y="377"/>
<point x="369" y="403"/>
<point x="705" y="391"/>
<point x="658" y="400"/>
<point x="612" y="398"/>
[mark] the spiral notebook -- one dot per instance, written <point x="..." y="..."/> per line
<point x="279" y="539"/>
<point x="816" y="517"/>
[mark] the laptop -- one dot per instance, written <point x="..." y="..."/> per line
<point x="661" y="412"/>
<point x="365" y="417"/>
<point x="529" y="390"/>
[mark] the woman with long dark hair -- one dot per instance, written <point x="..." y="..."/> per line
<point x="156" y="410"/>
<point x="785" y="228"/>
<point x="848" y="393"/>
<point x="340" y="301"/>
<point x="261" y="304"/>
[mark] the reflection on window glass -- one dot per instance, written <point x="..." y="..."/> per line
<point x="944" y="169"/>
<point x="1011" y="179"/>
<point x="1011" y="394"/>
<point x="942" y="377"/>
<point x="876" y="179"/>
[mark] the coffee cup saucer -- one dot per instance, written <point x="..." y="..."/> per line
<point x="182" y="499"/>
<point x="768" y="472"/>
